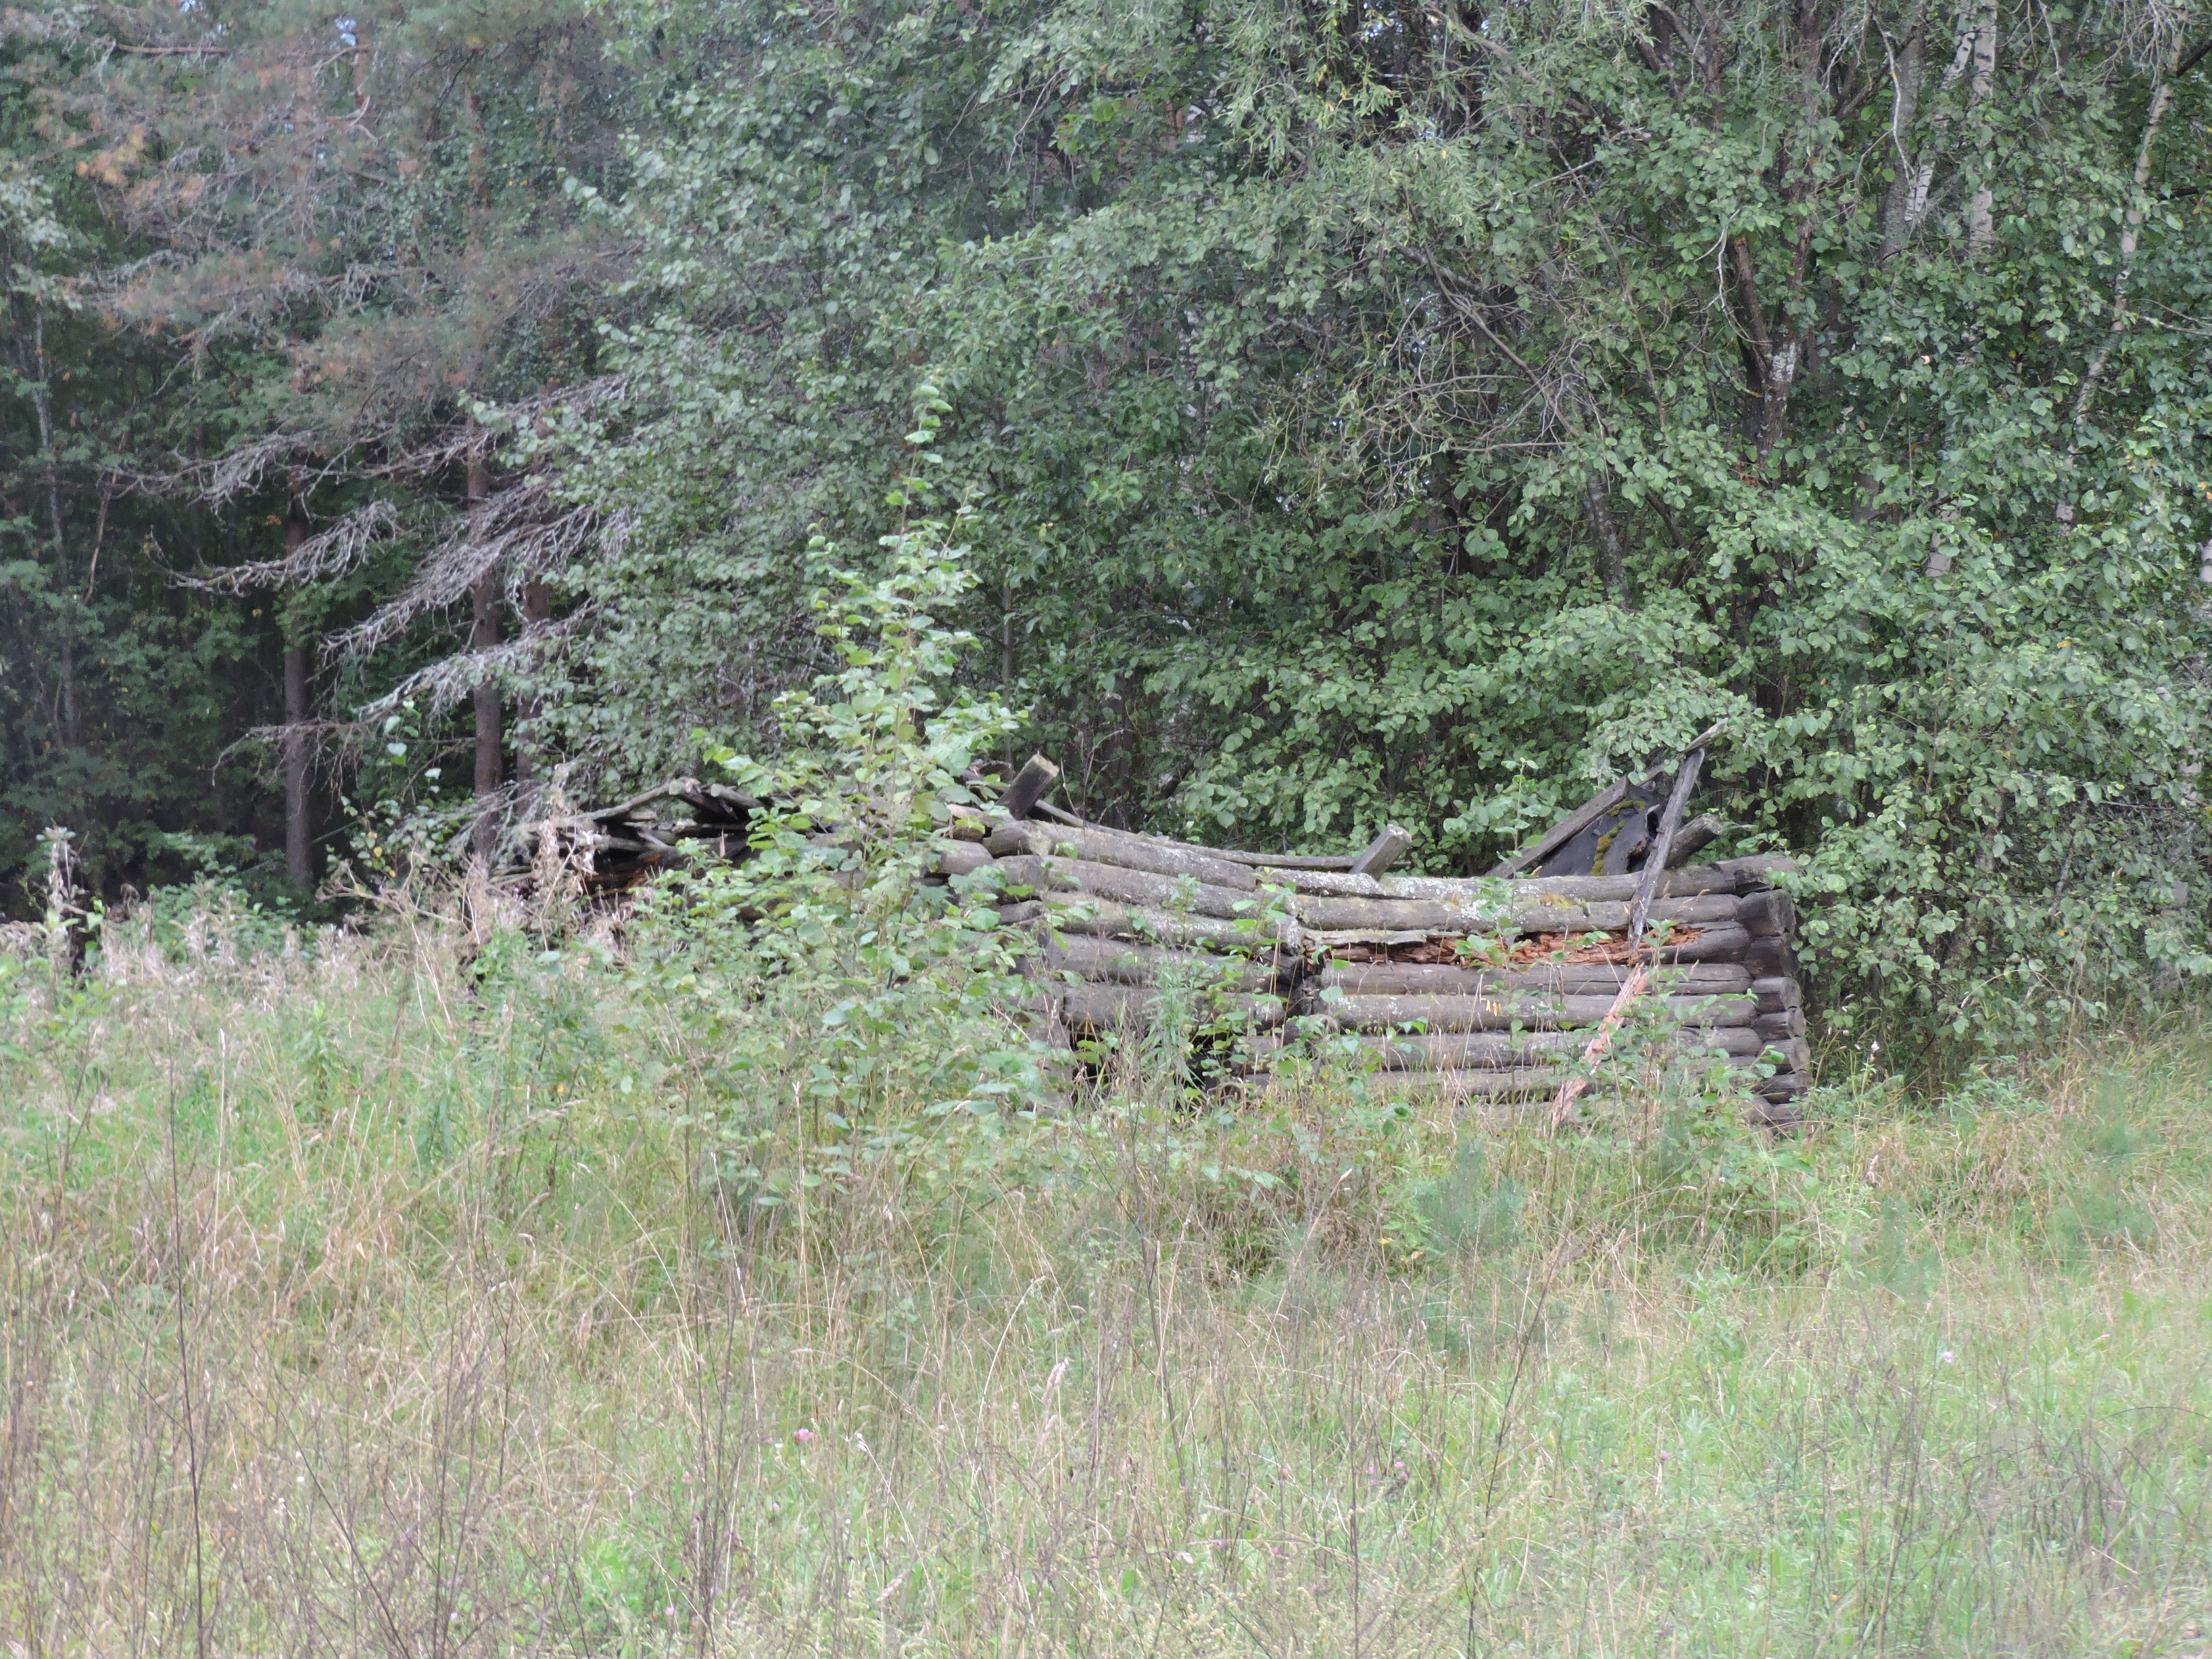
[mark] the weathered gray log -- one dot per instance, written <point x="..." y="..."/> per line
<point x="1780" y="1028"/>
<point x="1021" y="796"/>
<point x="1484" y="1049"/>
<point x="1794" y="1054"/>
<point x="1081" y="915"/>
<point x="1423" y="916"/>
<point x="1097" y="846"/>
<point x="1693" y="837"/>
<point x="1438" y="917"/>
<point x="1565" y="979"/>
<point x="1284" y="861"/>
<point x="1338" y="862"/>
<point x="1486" y="892"/>
<point x="1706" y="910"/>
<point x="1125" y="886"/>
<point x="1532" y="1013"/>
<point x="1024" y="910"/>
<point x="1767" y="915"/>
<point x="1127" y="962"/>
<point x="1724" y="942"/>
<point x="1456" y="1084"/>
<point x="1112" y="1007"/>
<point x="1782" y="1086"/>
<point x="1760" y="869"/>
<point x="960" y="858"/>
<point x="1775" y="994"/>
<point x="1767" y="958"/>
<point x="1385" y="850"/>
<point x="1738" y="1042"/>
<point x="1466" y="1051"/>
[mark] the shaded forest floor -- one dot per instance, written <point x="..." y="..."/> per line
<point x="360" y="1301"/>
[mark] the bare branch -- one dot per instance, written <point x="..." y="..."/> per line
<point x="333" y="553"/>
<point x="520" y="530"/>
<point x="444" y="685"/>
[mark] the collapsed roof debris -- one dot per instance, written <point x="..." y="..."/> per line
<point x="1486" y="987"/>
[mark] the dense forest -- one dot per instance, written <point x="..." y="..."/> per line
<point x="1347" y="411"/>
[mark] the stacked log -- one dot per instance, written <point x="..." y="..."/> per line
<point x="1447" y="979"/>
<point x="1129" y="924"/>
<point x="1482" y="987"/>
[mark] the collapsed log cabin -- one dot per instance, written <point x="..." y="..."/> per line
<point x="1487" y="987"/>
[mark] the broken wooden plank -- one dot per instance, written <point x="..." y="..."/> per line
<point x="1695" y="837"/>
<point x="1020" y="797"/>
<point x="1609" y="799"/>
<point x="1670" y="819"/>
<point x="1565" y="829"/>
<point x="1385" y="850"/>
<point x="1655" y="870"/>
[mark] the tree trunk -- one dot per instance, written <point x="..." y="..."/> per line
<point x="1612" y="553"/>
<point x="483" y="634"/>
<point x="537" y="612"/>
<point x="298" y="831"/>
<point x="1904" y="108"/>
<point x="2130" y="231"/>
<point x="1981" y="217"/>
<point x="64" y="712"/>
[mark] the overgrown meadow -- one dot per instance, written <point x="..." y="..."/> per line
<point x="461" y="1284"/>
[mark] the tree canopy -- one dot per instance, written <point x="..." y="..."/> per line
<point x="1359" y="411"/>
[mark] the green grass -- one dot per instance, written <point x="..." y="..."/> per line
<point x="355" y="1303"/>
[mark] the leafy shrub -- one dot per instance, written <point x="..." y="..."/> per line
<point x="828" y="975"/>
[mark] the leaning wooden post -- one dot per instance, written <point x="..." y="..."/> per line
<point x="1385" y="850"/>
<point x="1647" y="889"/>
<point x="1021" y="797"/>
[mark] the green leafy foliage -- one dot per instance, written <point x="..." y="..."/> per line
<point x="1372" y="412"/>
<point x="832" y="975"/>
<point x="1396" y="414"/>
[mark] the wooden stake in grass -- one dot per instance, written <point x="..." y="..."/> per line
<point x="1647" y="889"/>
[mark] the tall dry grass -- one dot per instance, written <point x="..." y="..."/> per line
<point x="360" y="1300"/>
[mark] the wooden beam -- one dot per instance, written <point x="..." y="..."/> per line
<point x="1640" y="908"/>
<point x="1696" y="835"/>
<point x="1037" y="775"/>
<point x="1670" y="820"/>
<point x="1385" y="850"/>
<point x="1287" y="860"/>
